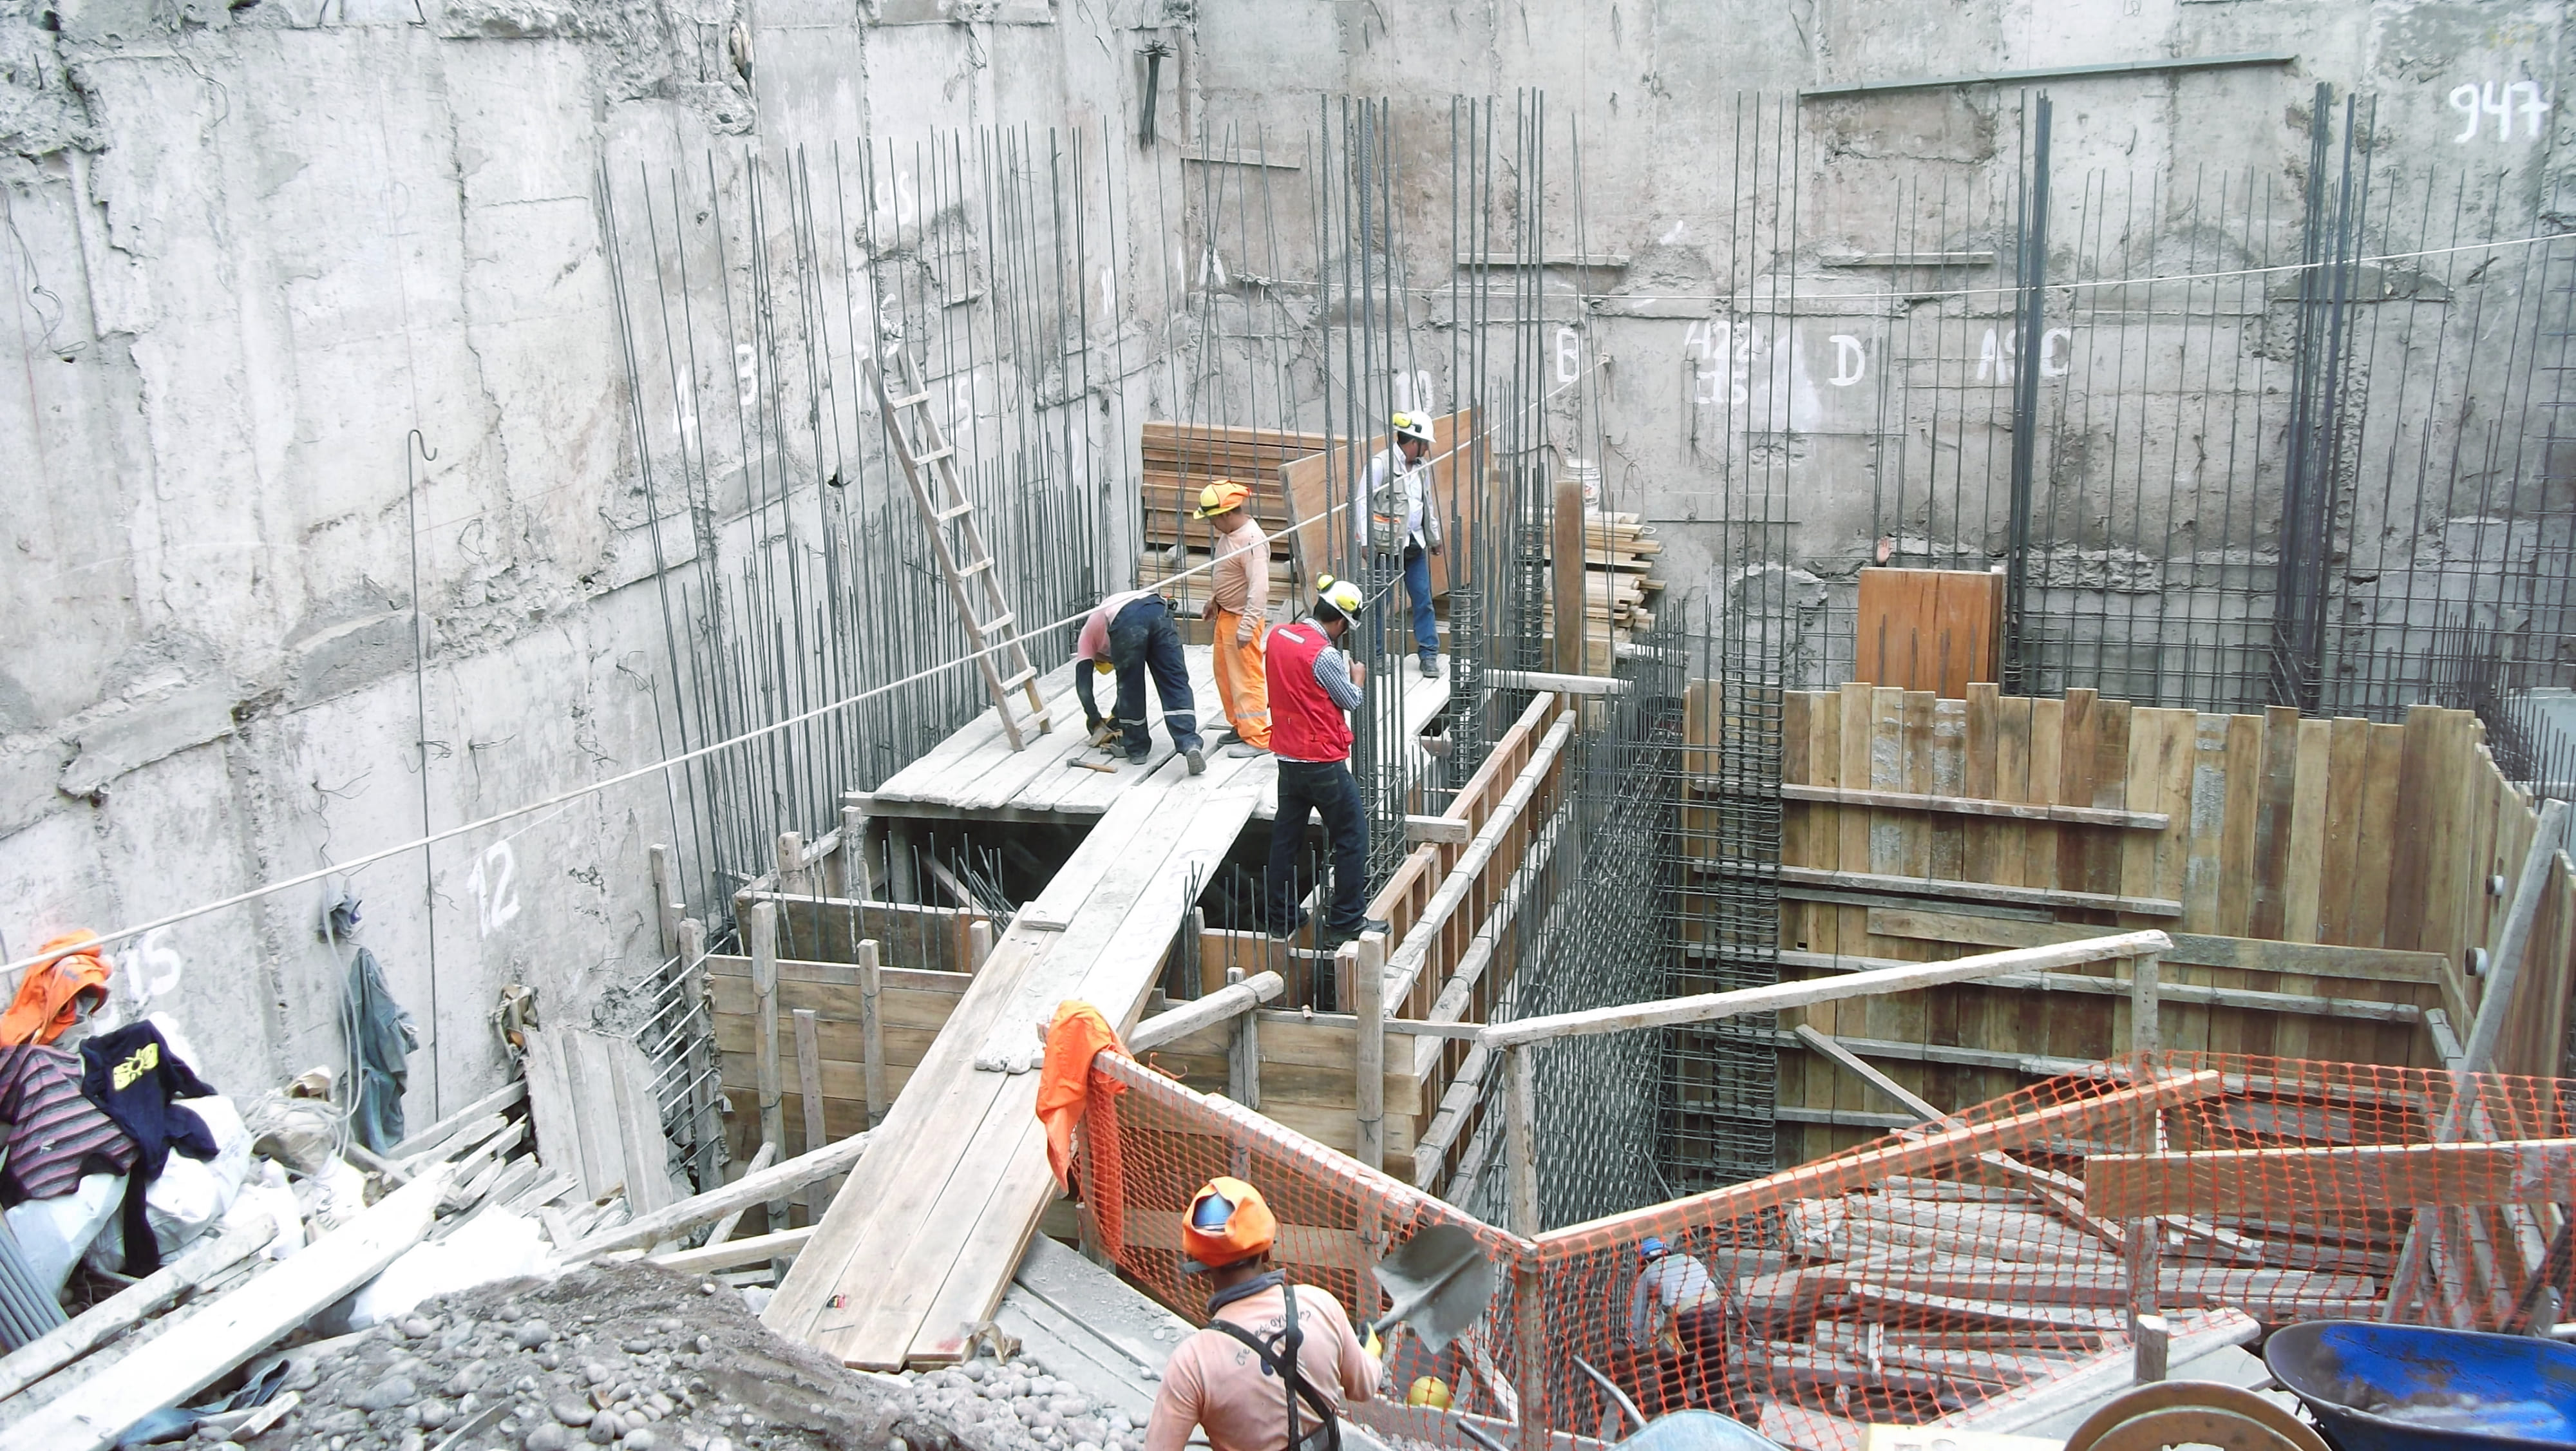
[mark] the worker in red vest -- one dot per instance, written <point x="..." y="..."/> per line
<point x="1313" y="686"/>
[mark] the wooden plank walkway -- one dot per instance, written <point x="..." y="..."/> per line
<point x="976" y="774"/>
<point x="921" y="1242"/>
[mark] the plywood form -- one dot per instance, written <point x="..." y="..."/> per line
<point x="2342" y="833"/>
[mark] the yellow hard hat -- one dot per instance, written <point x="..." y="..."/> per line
<point x="1223" y="496"/>
<point x="1429" y="1390"/>
<point x="1341" y="594"/>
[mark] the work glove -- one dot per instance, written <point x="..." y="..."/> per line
<point x="1102" y="732"/>
<point x="1245" y="632"/>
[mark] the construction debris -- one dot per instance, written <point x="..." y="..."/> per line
<point x="625" y="1355"/>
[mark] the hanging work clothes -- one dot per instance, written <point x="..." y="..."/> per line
<point x="62" y="985"/>
<point x="133" y="1075"/>
<point x="381" y="1038"/>
<point x="53" y="1134"/>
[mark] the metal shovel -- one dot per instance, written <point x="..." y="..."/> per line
<point x="1440" y="1283"/>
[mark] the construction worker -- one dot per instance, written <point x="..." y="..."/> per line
<point x="1674" y="1313"/>
<point x="1238" y="604"/>
<point x="1131" y="634"/>
<point x="1400" y="525"/>
<point x="1312" y="685"/>
<point x="1277" y="1362"/>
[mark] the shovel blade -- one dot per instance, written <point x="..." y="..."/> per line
<point x="1440" y="1283"/>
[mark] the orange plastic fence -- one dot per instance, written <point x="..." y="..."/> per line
<point x="1971" y="1271"/>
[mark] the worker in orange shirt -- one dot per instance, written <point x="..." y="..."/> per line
<point x="1238" y="602"/>
<point x="1277" y="1362"/>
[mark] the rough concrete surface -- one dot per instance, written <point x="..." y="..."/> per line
<point x="252" y="246"/>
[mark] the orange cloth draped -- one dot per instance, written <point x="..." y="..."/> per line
<point x="1066" y="1083"/>
<point x="51" y="994"/>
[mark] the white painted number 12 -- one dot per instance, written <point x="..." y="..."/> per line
<point x="495" y="886"/>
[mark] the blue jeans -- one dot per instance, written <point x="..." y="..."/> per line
<point x="1327" y="788"/>
<point x="1142" y="640"/>
<point x="1417" y="593"/>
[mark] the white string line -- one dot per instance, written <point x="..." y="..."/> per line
<point x="564" y="798"/>
<point x="1917" y="294"/>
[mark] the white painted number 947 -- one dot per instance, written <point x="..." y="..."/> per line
<point x="2477" y="101"/>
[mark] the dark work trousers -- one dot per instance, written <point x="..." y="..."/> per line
<point x="1142" y="639"/>
<point x="1326" y="788"/>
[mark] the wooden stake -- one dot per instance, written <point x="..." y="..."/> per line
<point x="2155" y="1343"/>
<point x="872" y="1064"/>
<point x="2145" y="1032"/>
<point x="1520" y="1141"/>
<point x="1243" y="1058"/>
<point x="1565" y="573"/>
<point x="763" y="931"/>
<point x="1368" y="1002"/>
<point x="809" y="1088"/>
<point x="979" y="942"/>
<point x="667" y="906"/>
<point x="706" y="1101"/>
<point x="858" y="858"/>
<point x="791" y="864"/>
<point x="1529" y="1349"/>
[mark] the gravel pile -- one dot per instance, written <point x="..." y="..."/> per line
<point x="1017" y="1405"/>
<point x="625" y="1356"/>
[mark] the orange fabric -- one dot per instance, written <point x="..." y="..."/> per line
<point x="50" y="996"/>
<point x="1242" y="684"/>
<point x="1066" y="1083"/>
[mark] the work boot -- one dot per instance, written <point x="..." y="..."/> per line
<point x="1430" y="667"/>
<point x="1229" y="737"/>
<point x="1197" y="759"/>
<point x="1244" y="751"/>
<point x="1138" y="756"/>
<point x="1334" y="937"/>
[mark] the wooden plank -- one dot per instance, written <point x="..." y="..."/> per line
<point x="774" y="1182"/>
<point x="2012" y="783"/>
<point x="1977" y="806"/>
<point x="2411" y="838"/>
<point x="2241" y="811"/>
<point x="2080" y="1118"/>
<point x="235" y="1327"/>
<point x="129" y="1307"/>
<point x="2047" y="756"/>
<point x="2167" y="990"/>
<point x="2274" y="809"/>
<point x="2347" y="767"/>
<point x="2078" y="755"/>
<point x="1710" y="1007"/>
<point x="550" y="1109"/>
<point x="2303" y="882"/>
<point x="2244" y="954"/>
<point x="2302" y="1181"/>
<point x="644" y="1151"/>
<point x="1980" y="891"/>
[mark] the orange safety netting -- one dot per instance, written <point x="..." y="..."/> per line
<point x="1968" y="1272"/>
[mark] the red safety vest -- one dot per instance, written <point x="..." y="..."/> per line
<point x="1305" y="725"/>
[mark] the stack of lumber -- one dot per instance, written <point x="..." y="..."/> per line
<point x="1927" y="1296"/>
<point x="1618" y="553"/>
<point x="220" y="1301"/>
<point x="1181" y="459"/>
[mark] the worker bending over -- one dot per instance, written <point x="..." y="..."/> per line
<point x="1132" y="633"/>
<point x="1238" y="603"/>
<point x="1674" y="1314"/>
<point x="1400" y="526"/>
<point x="1312" y="684"/>
<point x="1276" y="1363"/>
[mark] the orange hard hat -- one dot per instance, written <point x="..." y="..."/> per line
<point x="1229" y="1222"/>
<point x="1223" y="496"/>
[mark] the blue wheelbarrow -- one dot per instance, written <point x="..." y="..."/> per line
<point x="2377" y="1387"/>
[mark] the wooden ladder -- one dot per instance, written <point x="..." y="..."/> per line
<point x="930" y="464"/>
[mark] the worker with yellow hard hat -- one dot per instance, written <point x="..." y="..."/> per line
<point x="1238" y="601"/>
<point x="1313" y="689"/>
<point x="1277" y="1362"/>
<point x="1399" y="524"/>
